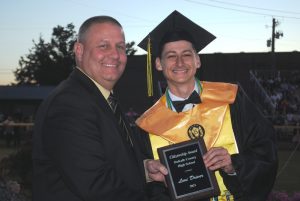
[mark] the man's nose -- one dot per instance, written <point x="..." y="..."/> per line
<point x="114" y="53"/>
<point x="179" y="61"/>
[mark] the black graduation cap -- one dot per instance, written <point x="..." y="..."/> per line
<point x="173" y="28"/>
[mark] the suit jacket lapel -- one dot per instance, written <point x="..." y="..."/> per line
<point x="88" y="84"/>
<point x="101" y="101"/>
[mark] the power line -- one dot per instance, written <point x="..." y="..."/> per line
<point x="257" y="8"/>
<point x="243" y="11"/>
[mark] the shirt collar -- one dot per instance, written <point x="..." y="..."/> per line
<point x="103" y="91"/>
<point x="176" y="98"/>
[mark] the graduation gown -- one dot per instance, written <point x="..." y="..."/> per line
<point x="256" y="161"/>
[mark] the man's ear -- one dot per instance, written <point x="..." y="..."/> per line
<point x="158" y="64"/>
<point x="198" y="61"/>
<point x="78" y="51"/>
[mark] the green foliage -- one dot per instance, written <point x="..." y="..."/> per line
<point x="129" y="48"/>
<point x="48" y="63"/>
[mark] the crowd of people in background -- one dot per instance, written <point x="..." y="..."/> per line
<point x="284" y="92"/>
<point x="283" y="89"/>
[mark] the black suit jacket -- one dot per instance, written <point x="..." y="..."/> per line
<point x="78" y="151"/>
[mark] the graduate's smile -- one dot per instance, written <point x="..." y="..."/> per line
<point x="180" y="71"/>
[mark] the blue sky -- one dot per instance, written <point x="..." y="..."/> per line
<point x="239" y="25"/>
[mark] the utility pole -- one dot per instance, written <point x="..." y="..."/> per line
<point x="271" y="42"/>
<point x="275" y="35"/>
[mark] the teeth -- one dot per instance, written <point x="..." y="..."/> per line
<point x="110" y="65"/>
<point x="180" y="70"/>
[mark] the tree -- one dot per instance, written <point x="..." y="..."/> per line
<point x="129" y="48"/>
<point x="50" y="63"/>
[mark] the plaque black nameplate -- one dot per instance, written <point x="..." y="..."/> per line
<point x="188" y="178"/>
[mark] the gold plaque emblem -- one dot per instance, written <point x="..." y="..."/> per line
<point x="196" y="131"/>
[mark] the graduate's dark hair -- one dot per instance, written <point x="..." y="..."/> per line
<point x="172" y="36"/>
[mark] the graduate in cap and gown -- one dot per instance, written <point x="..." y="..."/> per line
<point x="241" y="144"/>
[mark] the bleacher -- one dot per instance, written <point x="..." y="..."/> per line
<point x="278" y="96"/>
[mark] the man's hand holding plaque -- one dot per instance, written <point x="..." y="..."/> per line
<point x="218" y="158"/>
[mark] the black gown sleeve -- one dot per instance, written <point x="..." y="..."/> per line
<point x="257" y="161"/>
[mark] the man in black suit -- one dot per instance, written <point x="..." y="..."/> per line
<point x="81" y="152"/>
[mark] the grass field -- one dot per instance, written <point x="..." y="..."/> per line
<point x="288" y="177"/>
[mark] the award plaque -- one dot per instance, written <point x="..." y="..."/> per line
<point x="188" y="178"/>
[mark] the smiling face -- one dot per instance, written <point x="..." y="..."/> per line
<point x="102" y="53"/>
<point x="179" y="63"/>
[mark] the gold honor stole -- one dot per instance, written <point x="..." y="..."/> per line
<point x="213" y="114"/>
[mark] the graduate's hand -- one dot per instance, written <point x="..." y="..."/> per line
<point x="218" y="158"/>
<point x="156" y="171"/>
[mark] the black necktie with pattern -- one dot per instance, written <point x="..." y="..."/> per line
<point x="113" y="103"/>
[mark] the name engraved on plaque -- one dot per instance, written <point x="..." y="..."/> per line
<point x="188" y="177"/>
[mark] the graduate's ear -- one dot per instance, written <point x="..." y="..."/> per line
<point x="158" y="64"/>
<point x="198" y="61"/>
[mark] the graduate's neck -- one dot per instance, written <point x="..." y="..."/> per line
<point x="182" y="90"/>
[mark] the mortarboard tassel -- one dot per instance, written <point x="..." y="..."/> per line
<point x="149" y="70"/>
